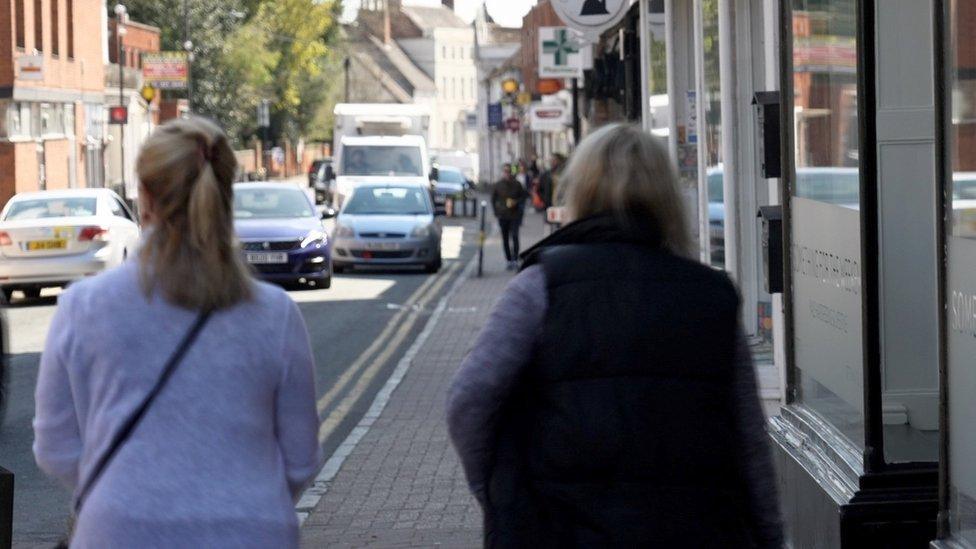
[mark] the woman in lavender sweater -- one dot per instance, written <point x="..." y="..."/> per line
<point x="610" y="401"/>
<point x="228" y="445"/>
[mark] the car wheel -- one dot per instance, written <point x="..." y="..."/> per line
<point x="8" y="294"/>
<point x="32" y="293"/>
<point x="434" y="266"/>
<point x="324" y="283"/>
<point x="338" y="269"/>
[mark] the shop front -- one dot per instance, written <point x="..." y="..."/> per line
<point x="874" y="303"/>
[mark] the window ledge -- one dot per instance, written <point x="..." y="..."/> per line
<point x="826" y="454"/>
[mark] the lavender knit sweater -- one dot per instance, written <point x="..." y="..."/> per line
<point x="224" y="450"/>
<point x="504" y="348"/>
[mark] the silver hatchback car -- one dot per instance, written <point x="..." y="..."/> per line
<point x="387" y="225"/>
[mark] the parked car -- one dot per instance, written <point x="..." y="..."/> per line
<point x="391" y="224"/>
<point x="53" y="238"/>
<point x="450" y="183"/>
<point x="321" y="178"/>
<point x="282" y="234"/>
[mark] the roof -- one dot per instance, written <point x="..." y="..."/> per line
<point x="498" y="34"/>
<point x="430" y="18"/>
<point x="391" y="65"/>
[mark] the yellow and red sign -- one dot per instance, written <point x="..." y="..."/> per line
<point x="166" y="70"/>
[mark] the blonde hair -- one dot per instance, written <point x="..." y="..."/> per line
<point x="187" y="170"/>
<point x="624" y="171"/>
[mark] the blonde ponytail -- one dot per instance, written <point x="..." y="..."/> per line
<point x="186" y="168"/>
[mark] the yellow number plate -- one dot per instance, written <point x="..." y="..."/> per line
<point x="36" y="245"/>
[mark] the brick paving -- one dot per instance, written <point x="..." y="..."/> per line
<point x="402" y="484"/>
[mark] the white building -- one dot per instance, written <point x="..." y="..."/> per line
<point x="417" y="45"/>
<point x="494" y="45"/>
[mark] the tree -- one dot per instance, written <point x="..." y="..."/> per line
<point x="249" y="50"/>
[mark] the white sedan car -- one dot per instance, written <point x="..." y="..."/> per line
<point x="53" y="238"/>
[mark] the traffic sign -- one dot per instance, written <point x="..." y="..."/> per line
<point x="591" y="17"/>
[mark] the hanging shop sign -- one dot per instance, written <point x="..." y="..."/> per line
<point x="30" y="67"/>
<point x="495" y="119"/>
<point x="166" y="70"/>
<point x="548" y="118"/>
<point x="591" y="17"/>
<point x="548" y="86"/>
<point x="559" y="53"/>
<point x="513" y="124"/>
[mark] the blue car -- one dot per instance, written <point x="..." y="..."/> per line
<point x="281" y="234"/>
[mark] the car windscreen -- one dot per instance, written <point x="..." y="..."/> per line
<point x="271" y="203"/>
<point x="41" y="208"/>
<point x="382" y="160"/>
<point x="450" y="176"/>
<point x="388" y="201"/>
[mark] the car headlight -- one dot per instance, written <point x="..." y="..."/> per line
<point x="314" y="237"/>
<point x="342" y="231"/>
<point x="420" y="231"/>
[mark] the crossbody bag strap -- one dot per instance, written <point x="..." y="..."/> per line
<point x="132" y="422"/>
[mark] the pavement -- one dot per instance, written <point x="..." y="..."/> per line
<point x="396" y="481"/>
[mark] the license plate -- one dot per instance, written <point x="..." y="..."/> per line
<point x="265" y="259"/>
<point x="385" y="246"/>
<point x="54" y="244"/>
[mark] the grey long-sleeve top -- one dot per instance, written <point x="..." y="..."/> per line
<point x="504" y="347"/>
<point x="226" y="447"/>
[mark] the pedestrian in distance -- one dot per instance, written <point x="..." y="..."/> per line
<point x="175" y="396"/>
<point x="508" y="203"/>
<point x="549" y="180"/>
<point x="610" y="400"/>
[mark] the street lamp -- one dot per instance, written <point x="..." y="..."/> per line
<point x="120" y="16"/>
<point x="188" y="48"/>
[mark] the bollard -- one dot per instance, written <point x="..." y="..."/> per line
<point x="481" y="238"/>
<point x="6" y="508"/>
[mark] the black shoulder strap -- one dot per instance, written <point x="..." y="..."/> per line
<point x="132" y="422"/>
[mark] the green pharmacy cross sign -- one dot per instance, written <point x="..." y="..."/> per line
<point x="561" y="47"/>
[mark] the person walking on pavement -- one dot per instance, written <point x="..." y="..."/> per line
<point x="610" y="400"/>
<point x="176" y="394"/>
<point x="508" y="202"/>
<point x="549" y="180"/>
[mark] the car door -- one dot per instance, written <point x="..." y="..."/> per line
<point x="126" y="236"/>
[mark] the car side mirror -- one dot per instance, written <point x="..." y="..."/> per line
<point x="435" y="174"/>
<point x="329" y="173"/>
<point x="328" y="213"/>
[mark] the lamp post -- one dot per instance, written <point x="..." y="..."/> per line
<point x="120" y="15"/>
<point x="188" y="48"/>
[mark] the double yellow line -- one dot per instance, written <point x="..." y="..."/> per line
<point x="363" y="370"/>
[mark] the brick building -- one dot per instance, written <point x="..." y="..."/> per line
<point x="51" y="94"/>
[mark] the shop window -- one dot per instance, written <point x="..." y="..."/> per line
<point x="19" y="29"/>
<point x="961" y="290"/>
<point x="38" y="25"/>
<point x="712" y="138"/>
<point x="55" y="29"/>
<point x="825" y="233"/>
<point x="70" y="16"/>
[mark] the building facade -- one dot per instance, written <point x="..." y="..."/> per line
<point x="849" y="124"/>
<point x="51" y="83"/>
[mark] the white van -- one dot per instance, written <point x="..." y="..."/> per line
<point x="377" y="159"/>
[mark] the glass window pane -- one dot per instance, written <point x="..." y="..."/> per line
<point x="826" y="221"/>
<point x="962" y="264"/>
<point x="712" y="140"/>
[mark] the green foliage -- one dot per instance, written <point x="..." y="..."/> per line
<point x="249" y="50"/>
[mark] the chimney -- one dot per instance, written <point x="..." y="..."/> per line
<point x="386" y="22"/>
